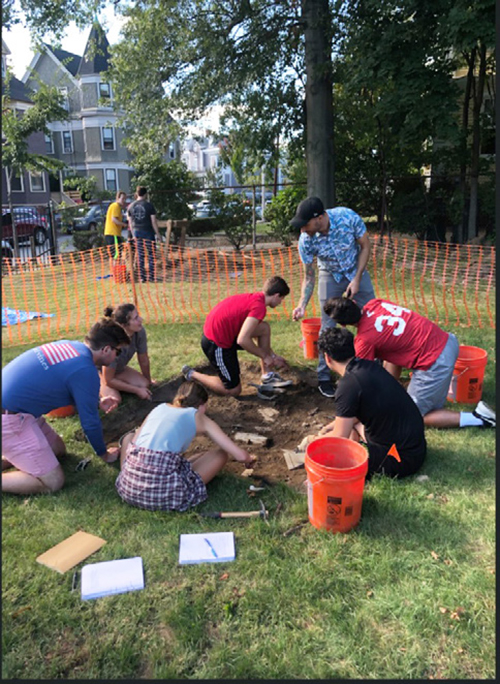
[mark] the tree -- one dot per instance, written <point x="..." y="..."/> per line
<point x="249" y="54"/>
<point x="16" y="130"/>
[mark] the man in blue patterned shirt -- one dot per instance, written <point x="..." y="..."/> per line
<point x="338" y="239"/>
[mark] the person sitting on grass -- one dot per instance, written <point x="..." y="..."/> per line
<point x="371" y="406"/>
<point x="44" y="378"/>
<point x="237" y="322"/>
<point x="154" y="473"/>
<point x="402" y="338"/>
<point x="118" y="377"/>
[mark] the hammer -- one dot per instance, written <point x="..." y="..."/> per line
<point x="262" y="513"/>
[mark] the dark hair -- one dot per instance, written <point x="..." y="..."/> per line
<point x="190" y="395"/>
<point x="121" y="313"/>
<point x="338" y="343"/>
<point x="141" y="191"/>
<point x="106" y="332"/>
<point x="276" y="285"/>
<point x="343" y="310"/>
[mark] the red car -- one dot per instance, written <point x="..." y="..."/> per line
<point x="29" y="221"/>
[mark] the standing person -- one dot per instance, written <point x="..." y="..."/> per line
<point x="142" y="215"/>
<point x="338" y="239"/>
<point x="48" y="377"/>
<point x="233" y="324"/>
<point x="155" y="475"/>
<point x="405" y="339"/>
<point x="117" y="376"/>
<point x="371" y="406"/>
<point x="114" y="221"/>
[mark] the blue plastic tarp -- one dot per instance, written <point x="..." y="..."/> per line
<point x="14" y="316"/>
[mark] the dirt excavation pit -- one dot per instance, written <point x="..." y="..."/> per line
<point x="301" y="410"/>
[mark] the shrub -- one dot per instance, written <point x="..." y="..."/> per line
<point x="88" y="239"/>
<point x="281" y="210"/>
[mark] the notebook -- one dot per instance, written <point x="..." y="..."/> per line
<point x="71" y="551"/>
<point x="112" y="577"/>
<point x="210" y="547"/>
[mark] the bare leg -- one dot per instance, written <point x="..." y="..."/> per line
<point x="18" y="482"/>
<point x="123" y="449"/>
<point x="215" y="384"/>
<point x="262" y="337"/>
<point x="442" y="418"/>
<point x="209" y="463"/>
<point x="106" y="391"/>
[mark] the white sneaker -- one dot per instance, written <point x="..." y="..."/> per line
<point x="486" y="414"/>
<point x="273" y="379"/>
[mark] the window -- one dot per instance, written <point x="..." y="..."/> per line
<point x="17" y="184"/>
<point x="171" y="151"/>
<point x="65" y="101"/>
<point x="49" y="144"/>
<point x="108" y="138"/>
<point x="67" y="141"/>
<point x="104" y="93"/>
<point x="37" y="182"/>
<point x="110" y="179"/>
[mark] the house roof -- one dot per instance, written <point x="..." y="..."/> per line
<point x="18" y="92"/>
<point x="96" y="56"/>
<point x="68" y="59"/>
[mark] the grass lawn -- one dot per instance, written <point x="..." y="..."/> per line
<point x="409" y="594"/>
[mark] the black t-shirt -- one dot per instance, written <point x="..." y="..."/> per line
<point x="390" y="416"/>
<point x="141" y="211"/>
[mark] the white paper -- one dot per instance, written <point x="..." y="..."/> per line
<point x="112" y="577"/>
<point x="210" y="547"/>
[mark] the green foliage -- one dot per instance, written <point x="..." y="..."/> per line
<point x="16" y="130"/>
<point x="88" y="239"/>
<point x="86" y="185"/>
<point x="283" y="205"/>
<point x="233" y="214"/>
<point x="170" y="185"/>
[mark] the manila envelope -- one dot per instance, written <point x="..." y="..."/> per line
<point x="71" y="551"/>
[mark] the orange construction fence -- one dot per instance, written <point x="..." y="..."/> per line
<point x="453" y="285"/>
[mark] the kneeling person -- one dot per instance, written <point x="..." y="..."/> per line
<point x="155" y="475"/>
<point x="373" y="407"/>
<point x="233" y="324"/>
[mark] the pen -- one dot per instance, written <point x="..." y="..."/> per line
<point x="214" y="553"/>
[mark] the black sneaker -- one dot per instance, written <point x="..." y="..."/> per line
<point x="486" y="414"/>
<point x="327" y="388"/>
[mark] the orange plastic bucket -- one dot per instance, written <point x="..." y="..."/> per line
<point x="466" y="385"/>
<point x="336" y="470"/>
<point x="119" y="273"/>
<point x="310" y="334"/>
<point x="62" y="412"/>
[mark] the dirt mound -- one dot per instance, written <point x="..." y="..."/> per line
<point x="300" y="410"/>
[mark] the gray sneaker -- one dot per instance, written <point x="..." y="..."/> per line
<point x="187" y="372"/>
<point x="273" y="379"/>
<point x="486" y="414"/>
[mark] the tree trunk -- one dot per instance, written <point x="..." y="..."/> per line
<point x="477" y="99"/>
<point x="319" y="101"/>
<point x="9" y="176"/>
<point x="463" y="147"/>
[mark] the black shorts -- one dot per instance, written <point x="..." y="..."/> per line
<point x="379" y="461"/>
<point x="110" y="239"/>
<point x="224" y="360"/>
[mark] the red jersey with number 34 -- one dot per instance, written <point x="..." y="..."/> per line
<point x="390" y="332"/>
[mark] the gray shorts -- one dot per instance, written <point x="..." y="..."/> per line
<point x="429" y="388"/>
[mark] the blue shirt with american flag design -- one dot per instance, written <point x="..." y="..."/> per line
<point x="337" y="251"/>
<point x="54" y="375"/>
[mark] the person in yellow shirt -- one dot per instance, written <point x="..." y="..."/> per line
<point x="114" y="223"/>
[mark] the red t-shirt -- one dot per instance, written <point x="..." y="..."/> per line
<point x="390" y="332"/>
<point x="224" y="322"/>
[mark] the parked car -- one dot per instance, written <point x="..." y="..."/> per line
<point x="204" y="209"/>
<point x="29" y="222"/>
<point x="93" y="217"/>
